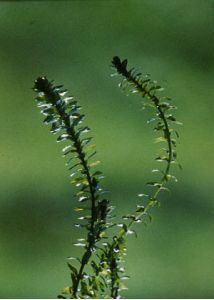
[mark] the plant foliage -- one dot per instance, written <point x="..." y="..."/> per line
<point x="99" y="272"/>
<point x="63" y="114"/>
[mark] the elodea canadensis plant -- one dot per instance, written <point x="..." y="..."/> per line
<point x="99" y="271"/>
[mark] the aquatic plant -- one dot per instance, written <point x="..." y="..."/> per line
<point x="99" y="271"/>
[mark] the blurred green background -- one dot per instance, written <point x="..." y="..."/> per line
<point x="73" y="42"/>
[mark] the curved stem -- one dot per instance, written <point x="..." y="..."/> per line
<point x="141" y="88"/>
<point x="53" y="97"/>
<point x="155" y="100"/>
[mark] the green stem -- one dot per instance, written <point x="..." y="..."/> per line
<point x="91" y="236"/>
<point x="155" y="100"/>
<point x="43" y="85"/>
<point x="138" y="85"/>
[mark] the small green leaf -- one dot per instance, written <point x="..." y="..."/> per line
<point x="94" y="164"/>
<point x="72" y="268"/>
<point x="79" y="244"/>
<point x="160" y="139"/>
<point x="67" y="290"/>
<point x="77" y="209"/>
<point x="171" y="118"/>
<point x="152" y="183"/>
<point x="140" y="208"/>
<point x="142" y="195"/>
<point x="162" y="158"/>
<point x="63" y="137"/>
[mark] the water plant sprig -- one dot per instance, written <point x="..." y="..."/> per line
<point x="164" y="120"/>
<point x="100" y="272"/>
<point x="63" y="114"/>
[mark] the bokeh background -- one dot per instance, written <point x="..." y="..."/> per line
<point x="73" y="42"/>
